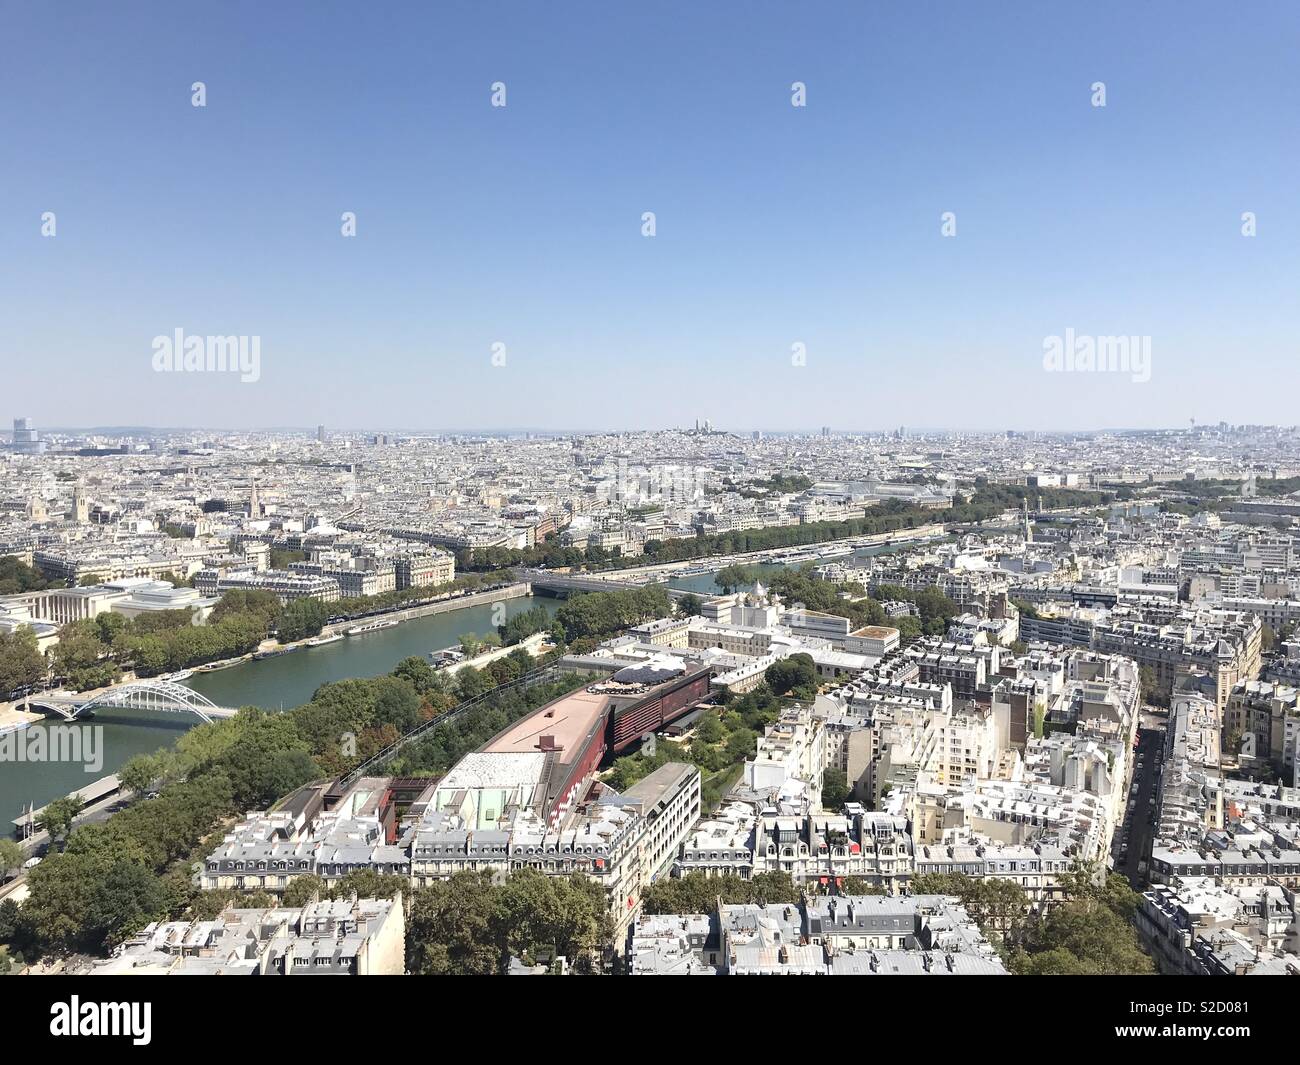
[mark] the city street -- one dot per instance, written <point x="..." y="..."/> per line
<point x="1140" y="811"/>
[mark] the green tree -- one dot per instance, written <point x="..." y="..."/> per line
<point x="302" y="619"/>
<point x="709" y="729"/>
<point x="418" y="674"/>
<point x="370" y="884"/>
<point x="450" y="927"/>
<point x="265" y="605"/>
<point x="689" y="605"/>
<point x="732" y="578"/>
<point x="81" y="658"/>
<point x="997" y="906"/>
<point x="741" y="745"/>
<point x="564" y="915"/>
<point x="1147" y="683"/>
<point x="17" y="576"/>
<point x="21" y="662"/>
<point x="12" y="857"/>
<point x="523" y="625"/>
<point x="57" y="817"/>
<point x="139" y="773"/>
<point x="303" y="888"/>
<point x="124" y="899"/>
<point x="697" y="893"/>
<point x="797" y="673"/>
<point x="835" y="788"/>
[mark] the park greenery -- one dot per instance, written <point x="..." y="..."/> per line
<point x="722" y="738"/>
<point x="777" y="484"/>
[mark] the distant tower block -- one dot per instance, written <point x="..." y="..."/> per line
<point x="320" y="434"/>
<point x="26" y="439"/>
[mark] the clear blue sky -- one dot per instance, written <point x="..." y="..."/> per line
<point x="776" y="225"/>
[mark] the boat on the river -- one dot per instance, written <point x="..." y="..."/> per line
<point x="321" y="641"/>
<point x="374" y="626"/>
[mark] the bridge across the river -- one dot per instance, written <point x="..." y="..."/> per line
<point x="161" y="695"/>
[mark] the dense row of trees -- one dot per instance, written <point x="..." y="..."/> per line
<point x="355" y="606"/>
<point x="598" y="614"/>
<point x="697" y="893"/>
<point x="472" y="924"/>
<point x="93" y="652"/>
<point x="443" y="747"/>
<point x="987" y="501"/>
<point x="302" y="619"/>
<point x="1215" y="494"/>
<point x="524" y="624"/>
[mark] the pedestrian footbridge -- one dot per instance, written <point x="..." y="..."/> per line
<point x="162" y="695"/>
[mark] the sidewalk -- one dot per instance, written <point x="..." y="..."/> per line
<point x="531" y="644"/>
<point x="12" y="714"/>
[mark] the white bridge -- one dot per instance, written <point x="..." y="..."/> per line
<point x="163" y="695"/>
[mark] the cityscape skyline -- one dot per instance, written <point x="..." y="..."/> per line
<point x="132" y="431"/>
